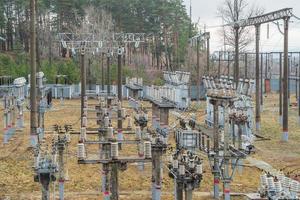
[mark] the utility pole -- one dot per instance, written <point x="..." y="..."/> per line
<point x="83" y="81"/>
<point x="108" y="77"/>
<point x="236" y="29"/>
<point x="33" y="103"/>
<point x="198" y="71"/>
<point x="280" y="88"/>
<point x="228" y="65"/>
<point x="102" y="71"/>
<point x="261" y="82"/>
<point x="285" y="82"/>
<point x="190" y="28"/>
<point x="219" y="66"/>
<point x="207" y="53"/>
<point x="246" y="65"/>
<point x="257" y="87"/>
<point x="299" y="89"/>
<point x="216" y="150"/>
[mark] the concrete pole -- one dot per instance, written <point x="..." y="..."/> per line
<point x="219" y="66"/>
<point x="299" y="90"/>
<point x="236" y="58"/>
<point x="105" y="182"/>
<point x="198" y="72"/>
<point x="120" y="134"/>
<point x="280" y="88"/>
<point x="33" y="103"/>
<point x="208" y="55"/>
<point x="216" y="150"/>
<point x="102" y="71"/>
<point x="261" y="82"/>
<point x="108" y="73"/>
<point x="114" y="182"/>
<point x="228" y="65"/>
<point x="189" y="192"/>
<point x="178" y="190"/>
<point x="45" y="182"/>
<point x="257" y="85"/>
<point x="61" y="171"/>
<point x="83" y="82"/>
<point x="227" y="155"/>
<point x="285" y="83"/>
<point x="156" y="175"/>
<point x="246" y="65"/>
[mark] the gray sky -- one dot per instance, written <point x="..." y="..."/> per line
<point x="206" y="11"/>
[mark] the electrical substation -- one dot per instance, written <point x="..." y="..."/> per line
<point x="131" y="124"/>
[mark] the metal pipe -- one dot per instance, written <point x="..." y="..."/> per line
<point x="257" y="86"/>
<point x="285" y="83"/>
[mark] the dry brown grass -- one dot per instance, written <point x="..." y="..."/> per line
<point x="17" y="175"/>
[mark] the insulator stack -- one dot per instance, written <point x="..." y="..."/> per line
<point x="208" y="144"/>
<point x="106" y="122"/>
<point x="175" y="164"/>
<point x="138" y="132"/>
<point x="81" y="151"/>
<point x="191" y="164"/>
<point x="147" y="146"/>
<point x="263" y="180"/>
<point x="123" y="113"/>
<point x="199" y="169"/>
<point x="141" y="149"/>
<point x="286" y="182"/>
<point x="82" y="133"/>
<point x="181" y="170"/>
<point x="271" y="184"/>
<point x="36" y="161"/>
<point x="295" y="186"/>
<point x="114" y="150"/>
<point x="280" y="176"/>
<point x="84" y="121"/>
<point x="129" y="125"/>
<point x="278" y="186"/>
<point x="68" y="137"/>
<point x="110" y="132"/>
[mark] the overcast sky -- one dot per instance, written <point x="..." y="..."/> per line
<point x="206" y="11"/>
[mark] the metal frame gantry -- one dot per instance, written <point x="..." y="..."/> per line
<point x="285" y="15"/>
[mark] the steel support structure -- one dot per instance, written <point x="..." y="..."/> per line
<point x="256" y="21"/>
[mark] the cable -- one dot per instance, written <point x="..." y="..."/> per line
<point x="298" y="18"/>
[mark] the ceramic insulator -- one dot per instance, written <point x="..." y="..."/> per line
<point x="81" y="151"/>
<point x="147" y="149"/>
<point x="114" y="150"/>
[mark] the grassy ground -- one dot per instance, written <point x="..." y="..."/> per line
<point x="85" y="181"/>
